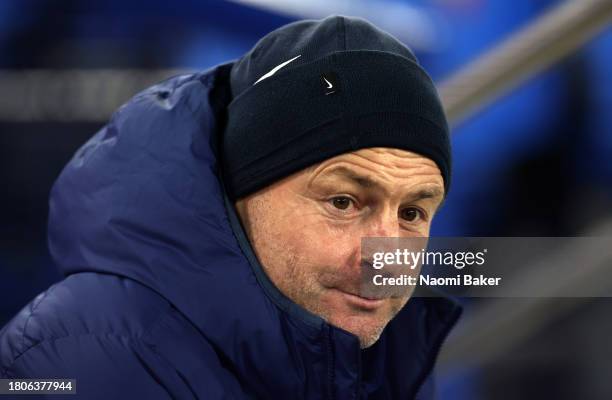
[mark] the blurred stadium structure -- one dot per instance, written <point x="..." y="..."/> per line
<point x="535" y="163"/>
<point x="534" y="48"/>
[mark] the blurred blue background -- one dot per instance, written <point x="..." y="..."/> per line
<point x="535" y="163"/>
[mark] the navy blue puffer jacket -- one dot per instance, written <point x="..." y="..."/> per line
<point x="163" y="297"/>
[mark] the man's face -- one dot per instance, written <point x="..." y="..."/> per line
<point x="306" y="230"/>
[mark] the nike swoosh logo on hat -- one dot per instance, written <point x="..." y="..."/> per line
<point x="329" y="85"/>
<point x="275" y="70"/>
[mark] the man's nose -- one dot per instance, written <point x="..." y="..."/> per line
<point x="384" y="224"/>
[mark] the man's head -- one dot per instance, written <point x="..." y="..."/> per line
<point x="334" y="133"/>
<point x="306" y="230"/>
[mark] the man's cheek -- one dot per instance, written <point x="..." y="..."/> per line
<point x="334" y="251"/>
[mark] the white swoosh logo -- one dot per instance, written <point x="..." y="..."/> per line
<point x="274" y="70"/>
<point x="329" y="85"/>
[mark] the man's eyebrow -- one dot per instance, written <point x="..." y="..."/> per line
<point x="367" y="182"/>
<point x="428" y="193"/>
<point x="431" y="193"/>
<point x="361" y="180"/>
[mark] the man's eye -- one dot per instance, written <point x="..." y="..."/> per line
<point x="341" y="202"/>
<point x="410" y="214"/>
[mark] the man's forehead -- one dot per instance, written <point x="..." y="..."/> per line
<point x="372" y="180"/>
<point x="382" y="155"/>
<point x="376" y="159"/>
<point x="414" y="174"/>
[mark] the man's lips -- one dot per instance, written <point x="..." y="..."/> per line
<point x="357" y="301"/>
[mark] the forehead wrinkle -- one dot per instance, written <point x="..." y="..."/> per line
<point x="407" y="166"/>
<point x="429" y="191"/>
<point x="405" y="161"/>
<point x="368" y="169"/>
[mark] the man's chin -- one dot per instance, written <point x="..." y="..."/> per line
<point x="362" y="317"/>
<point x="366" y="328"/>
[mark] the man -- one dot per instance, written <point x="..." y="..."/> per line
<point x="210" y="232"/>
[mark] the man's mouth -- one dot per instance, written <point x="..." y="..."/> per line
<point x="360" y="302"/>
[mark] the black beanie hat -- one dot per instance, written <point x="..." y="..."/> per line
<point x="314" y="89"/>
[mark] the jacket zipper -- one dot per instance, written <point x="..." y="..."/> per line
<point x="330" y="363"/>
